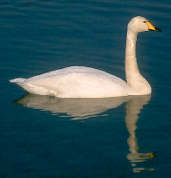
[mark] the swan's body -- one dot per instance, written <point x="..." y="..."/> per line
<point x="85" y="82"/>
<point x="75" y="82"/>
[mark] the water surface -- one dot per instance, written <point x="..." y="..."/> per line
<point x="43" y="136"/>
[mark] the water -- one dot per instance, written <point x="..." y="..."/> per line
<point x="50" y="137"/>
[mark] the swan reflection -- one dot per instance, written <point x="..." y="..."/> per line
<point x="87" y="108"/>
<point x="76" y="108"/>
<point x="133" y="108"/>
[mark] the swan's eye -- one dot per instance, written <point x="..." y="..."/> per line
<point x="144" y="21"/>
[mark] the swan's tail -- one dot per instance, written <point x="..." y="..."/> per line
<point x="29" y="87"/>
<point x="17" y="80"/>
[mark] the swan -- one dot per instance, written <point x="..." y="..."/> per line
<point x="86" y="82"/>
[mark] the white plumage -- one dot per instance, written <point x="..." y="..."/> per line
<point x="86" y="82"/>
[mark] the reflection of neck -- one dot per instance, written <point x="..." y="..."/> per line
<point x="133" y="107"/>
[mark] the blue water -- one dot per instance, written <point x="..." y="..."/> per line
<point x="43" y="136"/>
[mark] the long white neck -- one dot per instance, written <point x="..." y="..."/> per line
<point x="135" y="80"/>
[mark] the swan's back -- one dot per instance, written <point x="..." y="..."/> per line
<point x="76" y="82"/>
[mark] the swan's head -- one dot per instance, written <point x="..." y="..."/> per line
<point x="141" y="24"/>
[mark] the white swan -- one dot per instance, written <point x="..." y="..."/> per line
<point x="85" y="82"/>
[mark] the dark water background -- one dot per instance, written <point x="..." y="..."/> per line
<point x="83" y="138"/>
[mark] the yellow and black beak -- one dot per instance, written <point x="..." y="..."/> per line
<point x="151" y="27"/>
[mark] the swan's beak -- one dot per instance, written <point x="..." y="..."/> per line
<point x="152" y="28"/>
